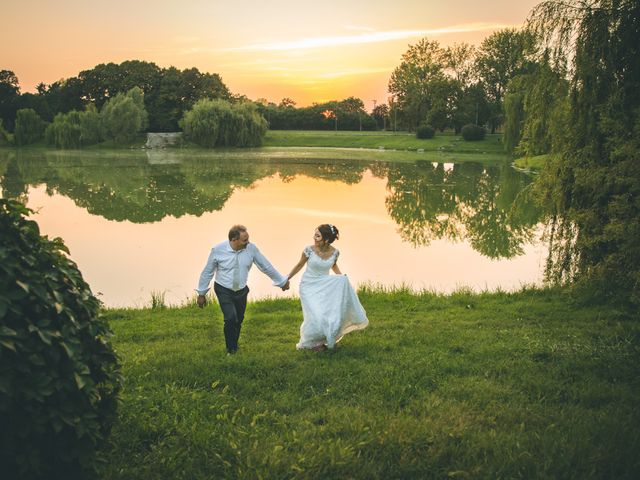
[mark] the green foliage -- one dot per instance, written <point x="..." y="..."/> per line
<point x="9" y="97"/>
<point x="473" y="132"/>
<point x="218" y="123"/>
<point x="413" y="82"/>
<point x="533" y="106"/>
<point x="124" y="116"/>
<point x="425" y="132"/>
<point x="438" y="85"/>
<point x="592" y="186"/>
<point x="64" y="131"/>
<point x="168" y="92"/>
<point x="347" y="114"/>
<point x="29" y="127"/>
<point x="90" y="126"/>
<point x="514" y="119"/>
<point x="502" y="56"/>
<point x="59" y="375"/>
<point x="74" y="129"/>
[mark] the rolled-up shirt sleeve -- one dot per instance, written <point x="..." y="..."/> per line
<point x="265" y="267"/>
<point x="207" y="274"/>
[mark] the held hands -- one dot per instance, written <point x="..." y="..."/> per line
<point x="202" y="301"/>
<point x="286" y="286"/>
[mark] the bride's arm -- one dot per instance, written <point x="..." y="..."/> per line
<point x="336" y="269"/>
<point x="299" y="265"/>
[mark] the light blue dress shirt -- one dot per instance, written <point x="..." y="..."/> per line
<point x="222" y="262"/>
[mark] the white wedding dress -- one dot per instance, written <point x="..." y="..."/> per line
<point x="330" y="306"/>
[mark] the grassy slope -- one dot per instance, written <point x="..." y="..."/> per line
<point x="498" y="385"/>
<point x="535" y="163"/>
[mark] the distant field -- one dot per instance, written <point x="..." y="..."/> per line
<point x="383" y="146"/>
<point x="445" y="142"/>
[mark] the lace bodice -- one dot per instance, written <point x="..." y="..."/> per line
<point x="316" y="265"/>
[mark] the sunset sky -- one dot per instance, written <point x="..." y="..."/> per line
<point x="310" y="52"/>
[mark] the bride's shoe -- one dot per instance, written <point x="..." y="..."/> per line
<point x="319" y="348"/>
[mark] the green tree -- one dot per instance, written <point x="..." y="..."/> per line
<point x="502" y="56"/>
<point x="64" y="131"/>
<point x="59" y="97"/>
<point x="9" y="94"/>
<point x="74" y="129"/>
<point x="124" y="116"/>
<point x="218" y="123"/>
<point x="29" y="127"/>
<point x="532" y="106"/>
<point x="592" y="186"/>
<point x="381" y="115"/>
<point x="459" y="60"/>
<point x="177" y="92"/>
<point x="412" y="82"/>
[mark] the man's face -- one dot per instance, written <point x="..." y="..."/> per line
<point x="241" y="242"/>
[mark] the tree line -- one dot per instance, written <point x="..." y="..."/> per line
<point x="168" y="92"/>
<point x="445" y="88"/>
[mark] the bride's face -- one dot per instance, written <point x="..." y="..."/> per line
<point x="317" y="237"/>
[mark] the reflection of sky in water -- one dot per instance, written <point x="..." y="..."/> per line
<point x="126" y="261"/>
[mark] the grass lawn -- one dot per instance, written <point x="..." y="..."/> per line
<point x="318" y="145"/>
<point x="535" y="163"/>
<point x="387" y="140"/>
<point x="489" y="385"/>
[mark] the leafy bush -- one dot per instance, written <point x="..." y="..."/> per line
<point x="74" y="129"/>
<point x="64" y="131"/>
<point x="425" y="131"/>
<point x="473" y="132"/>
<point x="218" y="123"/>
<point x="90" y="126"/>
<point x="124" y="116"/>
<point x="29" y="127"/>
<point x="59" y="375"/>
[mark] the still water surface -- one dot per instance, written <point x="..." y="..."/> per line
<point x="138" y="224"/>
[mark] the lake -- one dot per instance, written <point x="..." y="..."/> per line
<point x="143" y="222"/>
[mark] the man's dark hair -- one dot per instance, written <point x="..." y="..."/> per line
<point x="235" y="231"/>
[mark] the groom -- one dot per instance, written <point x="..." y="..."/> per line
<point x="230" y="262"/>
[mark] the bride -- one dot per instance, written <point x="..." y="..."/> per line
<point x="330" y="306"/>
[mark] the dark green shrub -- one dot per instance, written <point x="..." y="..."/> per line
<point x="64" y="131"/>
<point x="425" y="132"/>
<point x="59" y="375"/>
<point x="29" y="127"/>
<point x="218" y="123"/>
<point x="473" y="132"/>
<point x="74" y="129"/>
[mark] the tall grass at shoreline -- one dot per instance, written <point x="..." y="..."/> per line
<point x="467" y="385"/>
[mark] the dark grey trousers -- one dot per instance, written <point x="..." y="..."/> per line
<point x="233" y="305"/>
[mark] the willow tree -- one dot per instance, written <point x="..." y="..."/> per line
<point x="592" y="187"/>
<point x="533" y="106"/>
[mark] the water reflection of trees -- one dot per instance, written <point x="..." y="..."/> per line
<point x="489" y="206"/>
<point x="142" y="189"/>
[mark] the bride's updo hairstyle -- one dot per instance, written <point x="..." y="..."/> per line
<point x="329" y="232"/>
